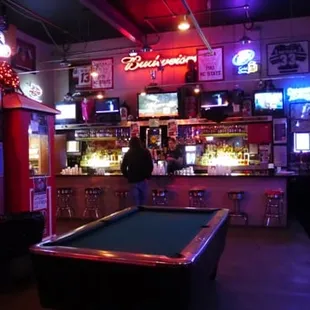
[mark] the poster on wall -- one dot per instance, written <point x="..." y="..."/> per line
<point x="104" y="68"/>
<point x="25" y="57"/>
<point x="288" y="58"/>
<point x="134" y="129"/>
<point x="39" y="194"/>
<point x="172" y="128"/>
<point x="210" y="65"/>
<point x="82" y="77"/>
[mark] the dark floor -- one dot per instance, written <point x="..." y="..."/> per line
<point x="260" y="269"/>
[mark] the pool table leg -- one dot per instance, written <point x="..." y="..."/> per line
<point x="213" y="274"/>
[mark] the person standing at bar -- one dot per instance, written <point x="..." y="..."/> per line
<point x="137" y="168"/>
<point x="175" y="160"/>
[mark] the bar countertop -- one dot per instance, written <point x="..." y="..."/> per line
<point x="198" y="175"/>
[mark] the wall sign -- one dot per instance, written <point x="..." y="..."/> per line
<point x="25" y="57"/>
<point x="288" y="58"/>
<point x="5" y="50"/>
<point x="82" y="75"/>
<point x="137" y="62"/>
<point x="245" y="62"/>
<point x="210" y="66"/>
<point x="104" y="68"/>
<point x="33" y="91"/>
<point x="298" y="94"/>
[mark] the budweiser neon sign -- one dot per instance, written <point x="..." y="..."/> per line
<point x="137" y="62"/>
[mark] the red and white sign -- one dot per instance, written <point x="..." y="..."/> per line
<point x="137" y="62"/>
<point x="210" y="65"/>
<point x="104" y="68"/>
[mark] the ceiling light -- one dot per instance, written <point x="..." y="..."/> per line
<point x="94" y="74"/>
<point x="197" y="89"/>
<point x="146" y="48"/>
<point x="184" y="25"/>
<point x="99" y="96"/>
<point x="245" y="39"/>
<point x="133" y="53"/>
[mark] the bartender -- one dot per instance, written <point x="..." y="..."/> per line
<point x="174" y="156"/>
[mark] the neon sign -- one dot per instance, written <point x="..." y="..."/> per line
<point x="244" y="61"/>
<point x="301" y="93"/>
<point x="33" y="91"/>
<point x="5" y="50"/>
<point x="137" y="62"/>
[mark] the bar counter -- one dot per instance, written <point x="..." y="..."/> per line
<point x="216" y="187"/>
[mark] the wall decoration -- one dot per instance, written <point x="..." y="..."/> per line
<point x="104" y="68"/>
<point x="5" y="50"/>
<point x="137" y="62"/>
<point x="210" y="66"/>
<point x="298" y="94"/>
<point x="25" y="57"/>
<point x="279" y="130"/>
<point x="288" y="58"/>
<point x="244" y="62"/>
<point x="33" y="91"/>
<point x="82" y="75"/>
<point x="300" y="111"/>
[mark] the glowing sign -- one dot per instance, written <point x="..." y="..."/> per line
<point x="244" y="61"/>
<point x="137" y="62"/>
<point x="33" y="91"/>
<point x="302" y="93"/>
<point x="5" y="50"/>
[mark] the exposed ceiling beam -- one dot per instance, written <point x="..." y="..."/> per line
<point x="109" y="14"/>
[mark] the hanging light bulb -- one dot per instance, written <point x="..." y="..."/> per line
<point x="99" y="96"/>
<point x="133" y="53"/>
<point x="197" y="89"/>
<point x="184" y="24"/>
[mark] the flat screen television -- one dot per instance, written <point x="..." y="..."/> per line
<point x="268" y="102"/>
<point x="300" y="111"/>
<point x="68" y="113"/>
<point x="158" y="105"/>
<point x="214" y="99"/>
<point x="107" y="105"/>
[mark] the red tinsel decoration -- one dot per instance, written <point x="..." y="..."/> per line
<point x="8" y="77"/>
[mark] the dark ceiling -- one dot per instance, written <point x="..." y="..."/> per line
<point x="83" y="25"/>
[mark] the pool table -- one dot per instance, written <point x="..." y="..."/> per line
<point x="138" y="258"/>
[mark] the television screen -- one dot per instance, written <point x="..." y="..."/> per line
<point x="158" y="105"/>
<point x="272" y="100"/>
<point x="107" y="105"/>
<point x="214" y="99"/>
<point x="67" y="111"/>
<point x="301" y="142"/>
<point x="300" y="111"/>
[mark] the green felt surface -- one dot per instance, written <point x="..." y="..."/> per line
<point x="148" y="232"/>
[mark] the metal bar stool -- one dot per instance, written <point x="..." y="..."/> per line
<point x="92" y="201"/>
<point x="64" y="201"/>
<point x="197" y="197"/>
<point x="236" y="197"/>
<point x="159" y="197"/>
<point x="274" y="206"/>
<point x="122" y="195"/>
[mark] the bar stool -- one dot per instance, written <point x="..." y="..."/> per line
<point x="236" y="197"/>
<point x="274" y="206"/>
<point x="197" y="198"/>
<point x="160" y="197"/>
<point x="92" y="201"/>
<point x="122" y="195"/>
<point x="64" y="201"/>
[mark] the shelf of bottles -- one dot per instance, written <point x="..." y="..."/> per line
<point x="222" y="145"/>
<point x="104" y="147"/>
<point x="108" y="133"/>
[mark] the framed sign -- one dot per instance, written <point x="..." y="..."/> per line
<point x="82" y="77"/>
<point x="279" y="130"/>
<point x="104" y="68"/>
<point x="25" y="57"/>
<point x="210" y="66"/>
<point x="288" y="58"/>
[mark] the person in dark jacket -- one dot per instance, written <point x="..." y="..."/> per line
<point x="137" y="167"/>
